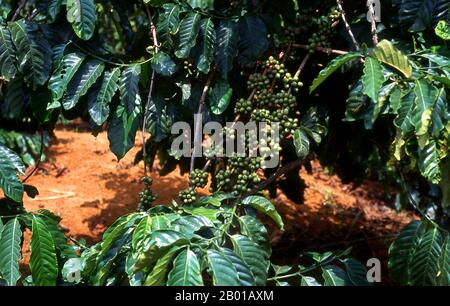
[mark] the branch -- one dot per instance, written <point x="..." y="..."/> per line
<point x="373" y="22"/>
<point x="150" y="90"/>
<point x="321" y="49"/>
<point x="347" y="25"/>
<point x="200" y="111"/>
<point x="282" y="171"/>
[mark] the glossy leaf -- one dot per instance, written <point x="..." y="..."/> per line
<point x="69" y="65"/>
<point x="266" y="207"/>
<point x="373" y="78"/>
<point x="186" y="270"/>
<point x="8" y="65"/>
<point x="189" y="27"/>
<point x="388" y="54"/>
<point x="10" y="251"/>
<point x="99" y="102"/>
<point x="83" y="17"/>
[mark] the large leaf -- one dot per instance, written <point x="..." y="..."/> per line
<point x="168" y="23"/>
<point x="253" y="256"/>
<point x="99" y="102"/>
<point x="8" y="65"/>
<point x="388" y="54"/>
<point x="356" y="272"/>
<point x="256" y="231"/>
<point x="189" y="27"/>
<point x="14" y="100"/>
<point x="129" y="88"/>
<point x="191" y="224"/>
<point x="253" y="39"/>
<point x="425" y="263"/>
<point x="9" y="182"/>
<point x="34" y="54"/>
<point x="65" y="72"/>
<point x="418" y="15"/>
<point x="401" y="251"/>
<point x="143" y="230"/>
<point x="301" y="143"/>
<point x="266" y="207"/>
<point x="83" y="79"/>
<point x="373" y="78"/>
<point x="10" y="251"/>
<point x="245" y="274"/>
<point x="223" y="271"/>
<point x="332" y="67"/>
<point x="208" y="39"/>
<point x="158" y="275"/>
<point x="83" y="17"/>
<point x="429" y="162"/>
<point x="186" y="270"/>
<point x="43" y="263"/>
<point x="159" y="120"/>
<point x="226" y="49"/>
<point x="403" y="119"/>
<point x="444" y="263"/>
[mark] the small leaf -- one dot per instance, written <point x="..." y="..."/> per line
<point x="66" y="70"/>
<point x="10" y="251"/>
<point x="163" y="64"/>
<point x="301" y="143"/>
<point x="83" y="17"/>
<point x="99" y="102"/>
<point x="373" y="78"/>
<point x="189" y="27"/>
<point x="334" y="276"/>
<point x="220" y="97"/>
<point x="264" y="206"/>
<point x="443" y="30"/>
<point x="332" y="67"/>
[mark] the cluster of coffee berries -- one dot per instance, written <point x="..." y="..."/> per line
<point x="245" y="182"/>
<point x="223" y="179"/>
<point x="292" y="82"/>
<point x="198" y="178"/>
<point x="240" y="163"/>
<point x="146" y="196"/>
<point x="187" y="196"/>
<point x="243" y="106"/>
<point x="258" y="81"/>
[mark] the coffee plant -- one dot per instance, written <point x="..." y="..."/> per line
<point x="124" y="66"/>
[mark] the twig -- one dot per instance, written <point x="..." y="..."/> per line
<point x="283" y="170"/>
<point x="321" y="49"/>
<point x="19" y="8"/>
<point x="370" y="4"/>
<point x="41" y="152"/>
<point x="201" y="105"/>
<point x="347" y="25"/>
<point x="150" y="90"/>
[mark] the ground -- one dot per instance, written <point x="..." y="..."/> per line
<point x="82" y="182"/>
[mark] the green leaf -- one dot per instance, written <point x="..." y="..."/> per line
<point x="425" y="263"/>
<point x="266" y="207"/>
<point x="226" y="50"/>
<point x="388" y="54"/>
<point x="8" y="65"/>
<point x="253" y="256"/>
<point x="373" y="78"/>
<point x="163" y="64"/>
<point x="444" y="263"/>
<point x="429" y="162"/>
<point x="186" y="270"/>
<point x="191" y="224"/>
<point x="403" y="119"/>
<point x="256" y="231"/>
<point x="83" y="79"/>
<point x="159" y="121"/>
<point x="220" y="97"/>
<point x="189" y="27"/>
<point x="309" y="281"/>
<point x="334" y="65"/>
<point x="418" y="15"/>
<point x="14" y="100"/>
<point x="401" y="251"/>
<point x="168" y="23"/>
<point x="356" y="272"/>
<point x="43" y="263"/>
<point x="334" y="276"/>
<point x="223" y="271"/>
<point x="443" y="30"/>
<point x="245" y="274"/>
<point x="83" y="17"/>
<point x="129" y="88"/>
<point x="9" y="182"/>
<point x="301" y="143"/>
<point x="208" y="39"/>
<point x="34" y="55"/>
<point x="66" y="70"/>
<point x="10" y="251"/>
<point x="158" y="275"/>
<point x="100" y="101"/>
<point x="426" y="97"/>
<point x="53" y="8"/>
<point x="253" y="40"/>
<point x="143" y="230"/>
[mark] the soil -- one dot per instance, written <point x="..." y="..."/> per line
<point x="83" y="182"/>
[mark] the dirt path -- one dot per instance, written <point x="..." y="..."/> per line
<point x="84" y="184"/>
